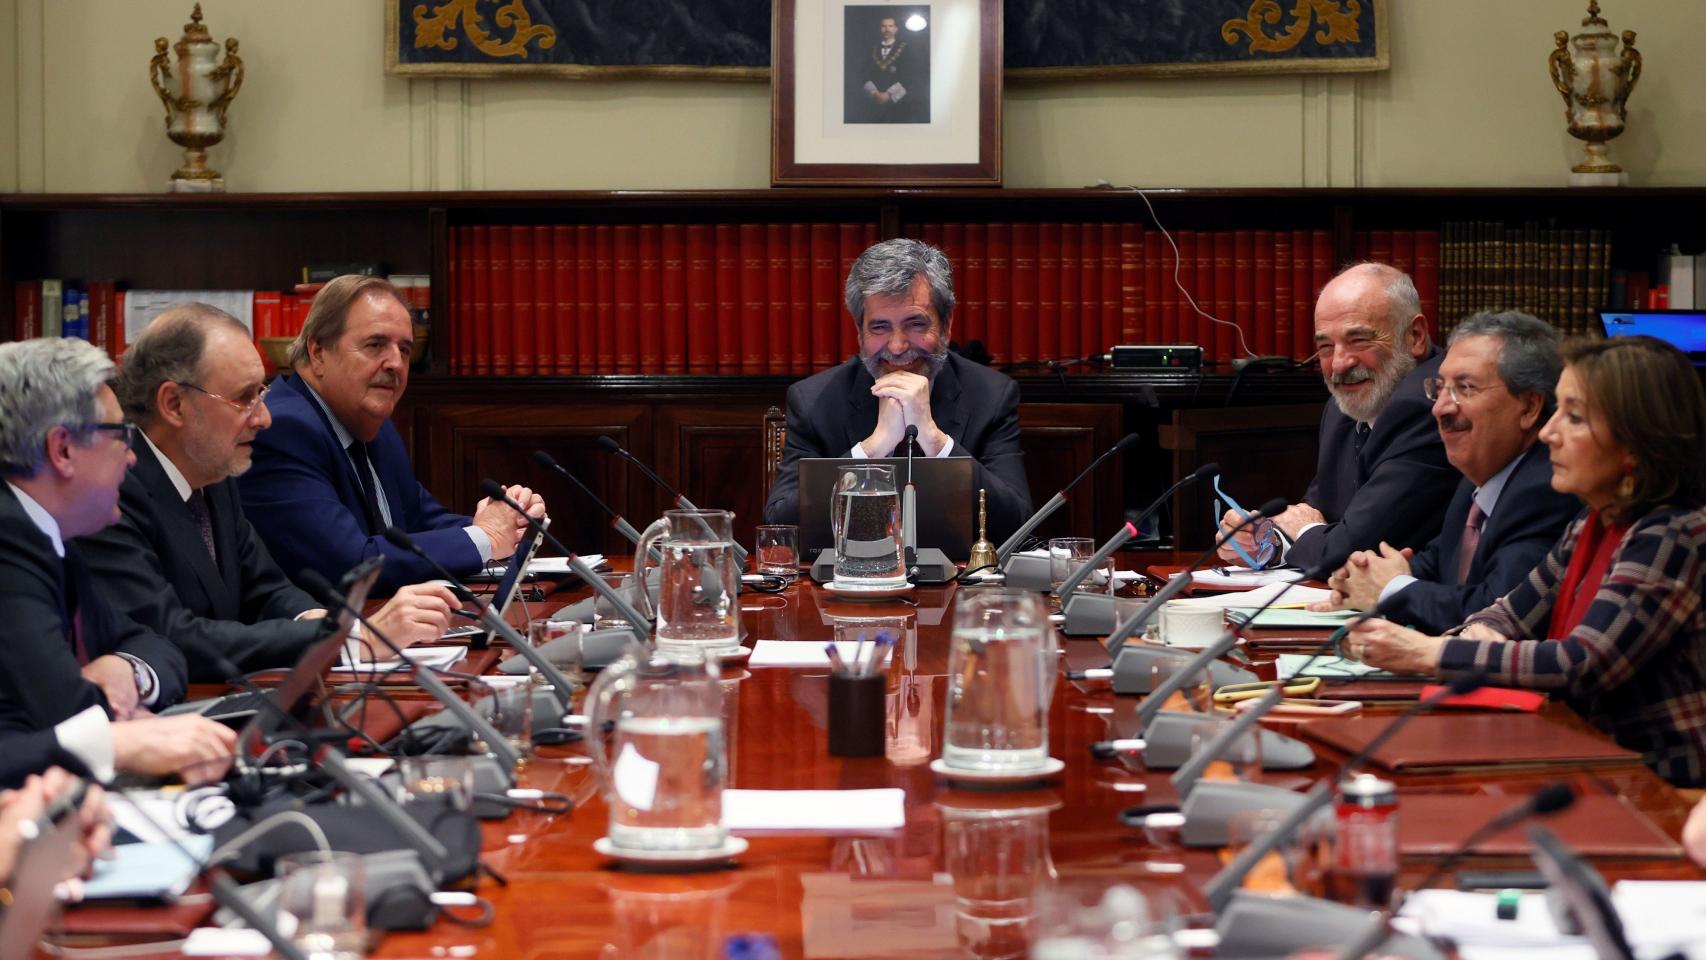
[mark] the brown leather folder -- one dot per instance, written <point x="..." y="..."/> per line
<point x="1366" y="688"/>
<point x="1596" y="825"/>
<point x="124" y="918"/>
<point x="1445" y="742"/>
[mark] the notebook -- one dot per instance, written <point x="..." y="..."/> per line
<point x="1596" y="825"/>
<point x="1450" y="741"/>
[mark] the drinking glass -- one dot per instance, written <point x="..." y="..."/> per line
<point x="1196" y="692"/>
<point x="321" y="904"/>
<point x="1066" y="554"/>
<point x="865" y="516"/>
<point x="512" y="715"/>
<point x="560" y="641"/>
<point x="777" y="550"/>
<point x="1001" y="674"/>
<point x="447" y="780"/>
<point x="1240" y="758"/>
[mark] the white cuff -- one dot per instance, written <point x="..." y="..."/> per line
<point x="858" y="452"/>
<point x="870" y="87"/>
<point x="1394" y="585"/>
<point x="896" y="92"/>
<point x="482" y="542"/>
<point x="1286" y="542"/>
<point x="947" y="448"/>
<point x="88" y="737"/>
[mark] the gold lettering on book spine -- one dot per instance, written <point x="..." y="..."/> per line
<point x="436" y="27"/>
<point x="1338" y="24"/>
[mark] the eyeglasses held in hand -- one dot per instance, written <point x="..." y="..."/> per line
<point x="1262" y="531"/>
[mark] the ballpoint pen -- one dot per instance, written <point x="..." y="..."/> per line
<point x="836" y="665"/>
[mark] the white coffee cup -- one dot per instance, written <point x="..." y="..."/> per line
<point x="1190" y="626"/>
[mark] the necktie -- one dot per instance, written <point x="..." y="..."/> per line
<point x="72" y="607"/>
<point x="1360" y="434"/>
<point x="1471" y="541"/>
<point x="369" y="495"/>
<point x="203" y="521"/>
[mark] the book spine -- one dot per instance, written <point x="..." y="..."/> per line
<point x="1262" y="321"/>
<point x="975" y="281"/>
<point x="1022" y="334"/>
<point x="1404" y="251"/>
<point x="1243" y="294"/>
<point x="998" y="279"/>
<point x="1113" y="320"/>
<point x="1303" y="291"/>
<point x="1047" y="323"/>
<point x="26" y="313"/>
<point x="651" y="298"/>
<point x="1071" y="296"/>
<point x="101" y="317"/>
<point x="544" y="304"/>
<point x="1225" y="294"/>
<point x="1427" y="273"/>
<point x="701" y="299"/>
<point x="1284" y="345"/>
<point x="1132" y="328"/>
<point x="626" y="239"/>
<point x="754" y="287"/>
<point x="674" y="297"/>
<point x="604" y="267"/>
<point x="854" y="239"/>
<point x="565" y="300"/>
<point x="777" y="351"/>
<point x="461" y="304"/>
<point x="1320" y="269"/>
<point x="503" y="302"/>
<point x="1157" y="313"/>
<point x="524" y="359"/>
<point x="586" y="299"/>
<point x="799" y="298"/>
<point x="1184" y="316"/>
<point x="728" y="297"/>
<point x="826" y="304"/>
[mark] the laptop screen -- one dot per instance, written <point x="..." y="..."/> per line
<point x="945" y="497"/>
<point x="1683" y="329"/>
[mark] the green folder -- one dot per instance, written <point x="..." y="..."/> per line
<point x="1290" y="619"/>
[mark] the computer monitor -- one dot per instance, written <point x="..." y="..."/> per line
<point x="1683" y="329"/>
<point x="946" y="500"/>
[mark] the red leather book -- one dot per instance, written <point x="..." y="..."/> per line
<point x="269" y="307"/>
<point x="626" y="238"/>
<point x="1426" y="274"/>
<point x="1071" y="296"/>
<point x="651" y="299"/>
<point x="118" y="321"/>
<point x="754" y="288"/>
<point x="1113" y="329"/>
<point x="1321" y="266"/>
<point x="1047" y="323"/>
<point x="799" y="298"/>
<point x="1243" y="339"/>
<point x="1184" y="317"/>
<point x="674" y="294"/>
<point x="1404" y="251"/>
<point x="1380" y="246"/>
<point x="565" y="301"/>
<point x="520" y="317"/>
<point x="1262" y="324"/>
<point x="26" y="310"/>
<point x="826" y="303"/>
<point x="930" y="233"/>
<point x="853" y="241"/>
<point x="604" y="297"/>
<point x="1283" y="344"/>
<point x="503" y="302"/>
<point x="475" y="342"/>
<point x="460" y="299"/>
<point x="954" y="248"/>
<point x="998" y="292"/>
<point x="1206" y="294"/>
<point x="1157" y="312"/>
<point x="777" y="350"/>
<point x="1022" y="323"/>
<point x="101" y="319"/>
<point x="1303" y="292"/>
<point x="1132" y="329"/>
<point x="586" y="299"/>
<point x="972" y="290"/>
<point x="1090" y="289"/>
<point x="1225" y="294"/>
<point x="727" y="322"/>
<point x="701" y="299"/>
<point x="1361" y="245"/>
<point x="544" y="303"/>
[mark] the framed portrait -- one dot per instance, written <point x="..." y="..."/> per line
<point x="875" y="92"/>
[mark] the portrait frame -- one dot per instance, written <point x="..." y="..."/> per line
<point x="816" y="139"/>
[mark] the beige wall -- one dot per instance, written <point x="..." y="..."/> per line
<point x="1467" y="102"/>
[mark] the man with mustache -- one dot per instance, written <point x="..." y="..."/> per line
<point x="900" y="294"/>
<point x="183" y="559"/>
<point x="1381" y="471"/>
<point x="332" y="473"/>
<point x="1493" y="394"/>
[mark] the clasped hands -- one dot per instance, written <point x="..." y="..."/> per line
<point x="503" y="525"/>
<point x="903" y="398"/>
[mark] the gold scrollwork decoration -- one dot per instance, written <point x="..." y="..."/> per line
<point x="1338" y="24"/>
<point x="435" y="28"/>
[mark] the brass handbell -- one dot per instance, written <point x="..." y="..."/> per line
<point x="982" y="552"/>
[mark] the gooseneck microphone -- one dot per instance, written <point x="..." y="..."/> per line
<point x="495" y="490"/>
<point x="909" y="504"/>
<point x="608" y="445"/>
<point x="1003" y="552"/>
<point x="621" y="523"/>
<point x="561" y="687"/>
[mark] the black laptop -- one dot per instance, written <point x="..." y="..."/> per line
<point x="509" y="585"/>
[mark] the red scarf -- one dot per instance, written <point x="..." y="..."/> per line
<point x="1589" y="563"/>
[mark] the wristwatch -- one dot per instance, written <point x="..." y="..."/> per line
<point x="144" y="678"/>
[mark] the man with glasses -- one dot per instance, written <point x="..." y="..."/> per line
<point x="1492" y="396"/>
<point x="332" y="473"/>
<point x="78" y="680"/>
<point x="183" y="560"/>
<point x="1381" y="472"/>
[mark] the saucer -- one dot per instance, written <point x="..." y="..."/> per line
<point x="730" y="848"/>
<point x="866" y="593"/>
<point x="1043" y="771"/>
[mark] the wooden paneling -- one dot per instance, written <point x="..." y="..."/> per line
<point x="715" y="455"/>
<point x="1060" y="440"/>
<point x="1263" y="452"/>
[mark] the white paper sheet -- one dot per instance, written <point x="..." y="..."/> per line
<point x="559" y="566"/>
<point x="1244" y="576"/>
<point x="1294" y="597"/>
<point x="442" y="658"/>
<point x="824" y="811"/>
<point x="803" y="653"/>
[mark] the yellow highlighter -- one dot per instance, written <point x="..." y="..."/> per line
<point x="1295" y="687"/>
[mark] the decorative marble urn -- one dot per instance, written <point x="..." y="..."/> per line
<point x="1595" y="80"/>
<point x="196" y="90"/>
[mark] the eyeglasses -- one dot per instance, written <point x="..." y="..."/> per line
<point x="247" y="409"/>
<point x="1263" y="532"/>
<point x="1460" y="393"/>
<point x="126" y="431"/>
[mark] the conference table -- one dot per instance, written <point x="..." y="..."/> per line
<point x="970" y="869"/>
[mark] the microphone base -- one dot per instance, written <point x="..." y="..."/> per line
<point x="1089" y="615"/>
<point x="1167" y="745"/>
<point x="931" y="567"/>
<point x="1255" y="926"/>
<point x="1134" y="668"/>
<point x="1211" y="806"/>
<point x="1028" y="573"/>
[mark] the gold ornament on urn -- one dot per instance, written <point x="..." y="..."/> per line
<point x="1595" y="79"/>
<point x="196" y="91"/>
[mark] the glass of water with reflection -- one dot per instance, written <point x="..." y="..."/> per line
<point x="865" y="517"/>
<point x="1001" y="674"/>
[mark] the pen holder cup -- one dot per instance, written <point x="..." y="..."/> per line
<point x="856" y="715"/>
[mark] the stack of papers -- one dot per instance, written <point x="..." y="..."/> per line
<point x="440" y="658"/>
<point x="147" y="870"/>
<point x="804" y="653"/>
<point x="559" y="566"/>
<point x="1332" y="668"/>
<point x="1225" y="577"/>
<point x="1296" y="597"/>
<point x="823" y="811"/>
<point x="1275" y="617"/>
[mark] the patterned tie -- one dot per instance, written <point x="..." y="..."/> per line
<point x="1471" y="541"/>
<point x="370" y="496"/>
<point x="204" y="521"/>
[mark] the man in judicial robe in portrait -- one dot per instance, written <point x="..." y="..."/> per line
<point x="889" y="81"/>
<point x="900" y="295"/>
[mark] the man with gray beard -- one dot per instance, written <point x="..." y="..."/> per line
<point x="900" y="295"/>
<point x="1381" y="471"/>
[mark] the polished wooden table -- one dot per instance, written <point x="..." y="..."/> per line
<point x="962" y="876"/>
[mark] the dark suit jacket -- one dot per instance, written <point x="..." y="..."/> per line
<point x="1394" y="488"/>
<point x="830" y="411"/>
<point x="303" y="498"/>
<point x="1528" y="519"/>
<point x="40" y="679"/>
<point x="22" y="754"/>
<point x="154" y="568"/>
